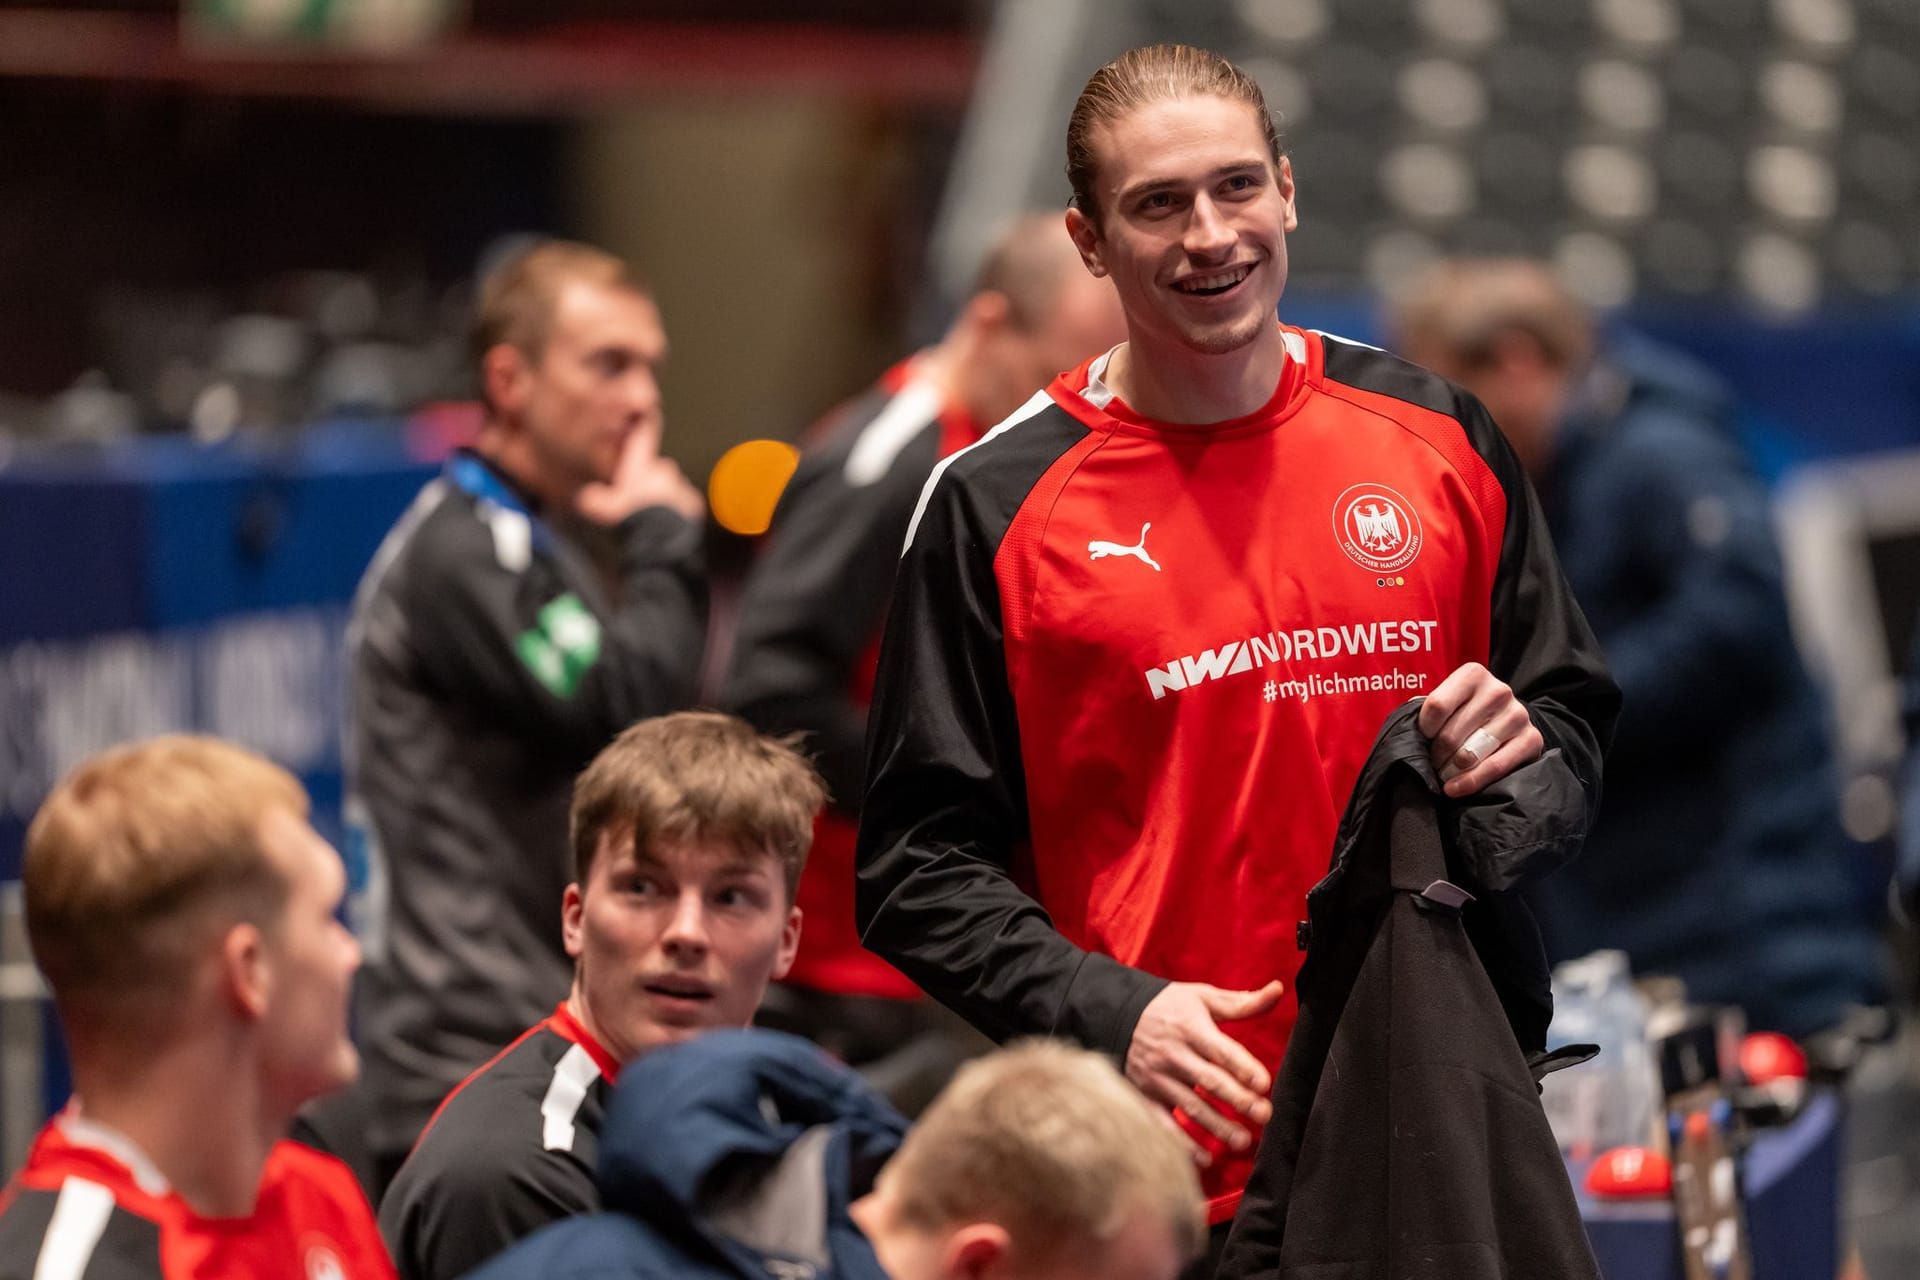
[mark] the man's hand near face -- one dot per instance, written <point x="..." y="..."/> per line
<point x="1480" y="731"/>
<point x="644" y="478"/>
<point x="1178" y="1047"/>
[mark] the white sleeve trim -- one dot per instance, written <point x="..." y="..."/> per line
<point x="573" y="1075"/>
<point x="882" y="439"/>
<point x="1349" y="342"/>
<point x="1039" y="401"/>
<point x="80" y="1217"/>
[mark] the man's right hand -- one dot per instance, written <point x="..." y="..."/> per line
<point x="1178" y="1047"/>
<point x="644" y="478"/>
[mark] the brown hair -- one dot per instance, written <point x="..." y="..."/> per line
<point x="699" y="775"/>
<point x="1053" y="1144"/>
<point x="139" y="855"/>
<point x="1153" y="73"/>
<point x="1458" y="309"/>
<point x="516" y="300"/>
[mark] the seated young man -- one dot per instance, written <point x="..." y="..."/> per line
<point x="748" y="1154"/>
<point x="182" y="911"/>
<point x="689" y="833"/>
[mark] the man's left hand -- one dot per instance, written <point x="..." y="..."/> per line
<point x="1480" y="731"/>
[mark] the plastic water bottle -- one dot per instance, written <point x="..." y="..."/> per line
<point x="1611" y="1101"/>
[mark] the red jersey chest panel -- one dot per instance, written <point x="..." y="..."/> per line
<point x="310" y="1222"/>
<point x="1205" y="630"/>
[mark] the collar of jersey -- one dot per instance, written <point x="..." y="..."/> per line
<point x="83" y="1134"/>
<point x="473" y="474"/>
<point x="957" y="427"/>
<point x="1085" y="395"/>
<point x="468" y="471"/>
<point x="568" y="1027"/>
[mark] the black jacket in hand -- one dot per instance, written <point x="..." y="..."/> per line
<point x="1407" y="1137"/>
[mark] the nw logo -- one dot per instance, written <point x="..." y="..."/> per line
<point x="1378" y="527"/>
<point x="1098" y="550"/>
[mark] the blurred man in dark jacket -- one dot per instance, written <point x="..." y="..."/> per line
<point x="1718" y="855"/>
<point x="493" y="655"/>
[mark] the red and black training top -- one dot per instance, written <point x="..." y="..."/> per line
<point x="1132" y="671"/>
<point x="90" y="1206"/>
<point x="512" y="1148"/>
<point x="809" y="635"/>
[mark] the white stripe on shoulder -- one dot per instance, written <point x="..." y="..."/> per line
<point x="1349" y="342"/>
<point x="573" y="1075"/>
<point x="1039" y="401"/>
<point x="1296" y="346"/>
<point x="80" y="1218"/>
<point x="881" y="440"/>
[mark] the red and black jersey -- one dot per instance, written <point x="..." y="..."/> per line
<point x="512" y="1148"/>
<point x="90" y="1206"/>
<point x="809" y="634"/>
<point x="1132" y="671"/>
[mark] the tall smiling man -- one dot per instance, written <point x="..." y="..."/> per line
<point x="1146" y="630"/>
<point x="689" y="833"/>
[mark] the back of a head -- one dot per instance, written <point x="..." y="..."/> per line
<point x="1454" y="313"/>
<point x="1054" y="1145"/>
<point x="1148" y="74"/>
<point x="1028" y="265"/>
<point x="135" y="863"/>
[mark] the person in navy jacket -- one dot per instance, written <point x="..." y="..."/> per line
<point x="1719" y="855"/>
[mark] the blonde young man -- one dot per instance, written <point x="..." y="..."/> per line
<point x="1145" y="632"/>
<point x="182" y="910"/>
<point x="494" y="653"/>
<point x="689" y="835"/>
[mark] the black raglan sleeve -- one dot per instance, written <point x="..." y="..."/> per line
<point x="1540" y="642"/>
<point x="126" y="1248"/>
<point x="525" y="639"/>
<point x="816" y="599"/>
<point x="945" y="804"/>
<point x="464" y="1199"/>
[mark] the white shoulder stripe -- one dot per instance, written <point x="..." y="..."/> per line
<point x="1349" y="342"/>
<point x="79" y="1219"/>
<point x="573" y="1075"/>
<point x="881" y="440"/>
<point x="1039" y="401"/>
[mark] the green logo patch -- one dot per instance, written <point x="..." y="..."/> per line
<point x="563" y="646"/>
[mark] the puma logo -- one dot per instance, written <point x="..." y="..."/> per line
<point x="1098" y="550"/>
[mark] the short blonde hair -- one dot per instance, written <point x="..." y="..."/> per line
<point x="699" y="775"/>
<point x="136" y="859"/>
<point x="1052" y="1143"/>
